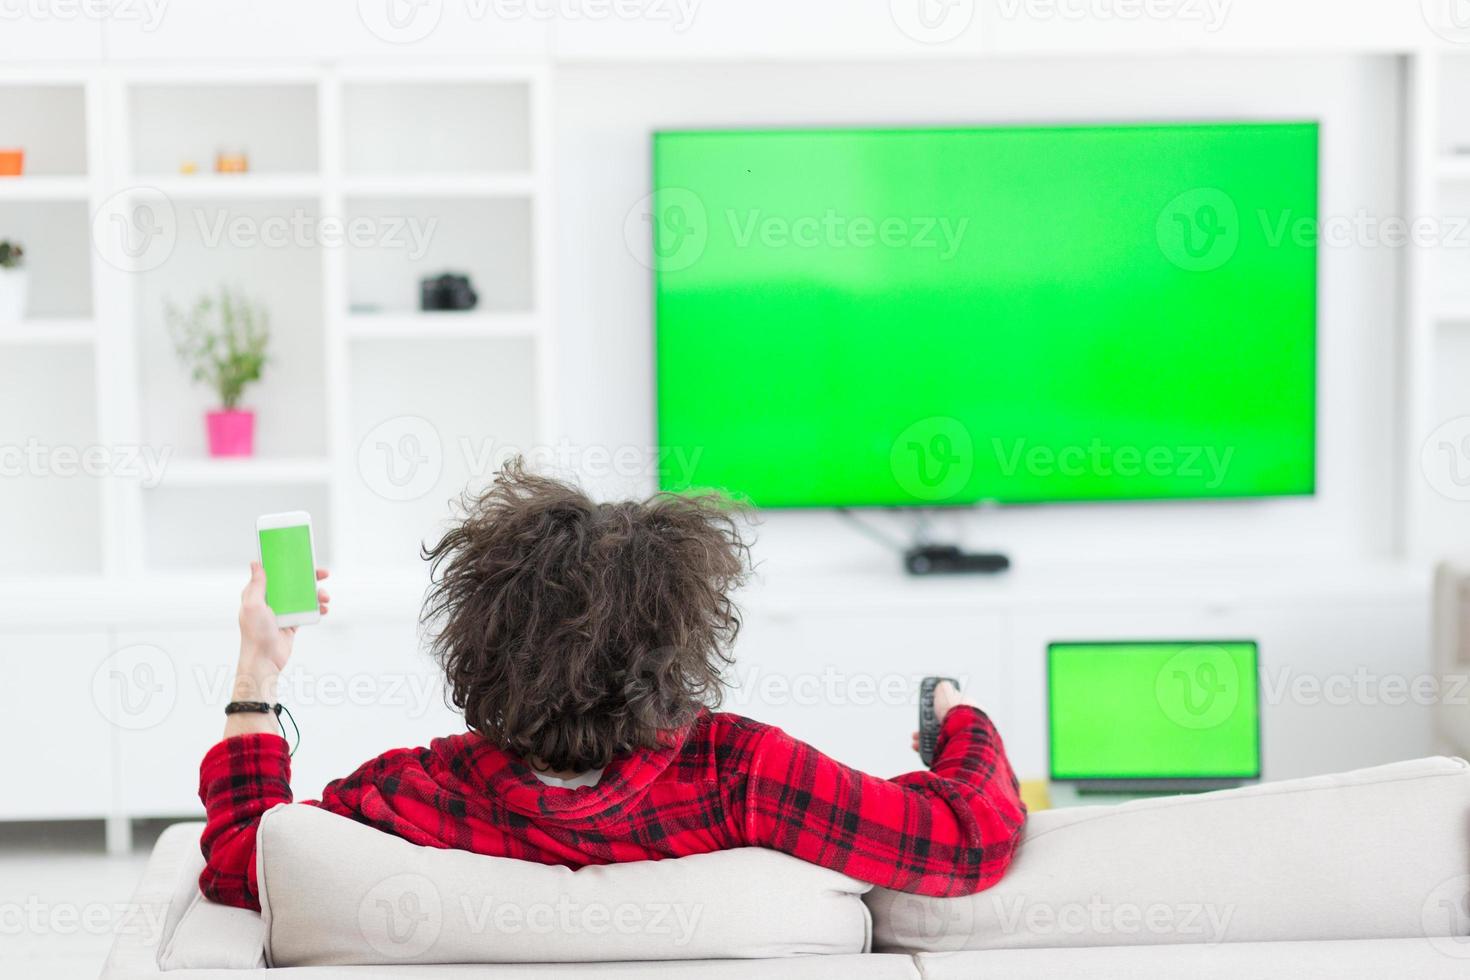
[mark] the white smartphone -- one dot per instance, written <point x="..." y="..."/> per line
<point x="288" y="555"/>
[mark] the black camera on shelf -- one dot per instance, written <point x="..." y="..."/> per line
<point x="447" y="292"/>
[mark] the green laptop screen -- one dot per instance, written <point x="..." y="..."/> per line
<point x="1154" y="710"/>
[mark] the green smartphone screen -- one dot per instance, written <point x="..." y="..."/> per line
<point x="290" y="577"/>
<point x="1154" y="710"/>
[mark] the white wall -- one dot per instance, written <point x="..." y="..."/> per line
<point x="606" y="113"/>
<point x="147" y="30"/>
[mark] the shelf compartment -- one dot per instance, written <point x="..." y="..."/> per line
<point x="487" y="239"/>
<point x="57" y="237"/>
<point x="50" y="511"/>
<point x="426" y="422"/>
<point x="422" y="128"/>
<point x="1454" y="121"/>
<point x="1454" y="167"/>
<point x="287" y="278"/>
<point x="273" y="123"/>
<point x="1447" y="259"/>
<point x="49" y="122"/>
<point x="212" y="528"/>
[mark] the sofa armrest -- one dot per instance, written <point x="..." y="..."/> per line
<point x="170" y="926"/>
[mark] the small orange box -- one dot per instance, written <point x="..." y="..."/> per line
<point x="231" y="162"/>
<point x="12" y="163"/>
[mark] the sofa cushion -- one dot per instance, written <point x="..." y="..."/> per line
<point x="213" y="937"/>
<point x="170" y="930"/>
<point x="334" y="891"/>
<point x="1376" y="854"/>
<point x="198" y="934"/>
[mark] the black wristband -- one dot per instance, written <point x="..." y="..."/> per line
<point x="265" y="708"/>
<point x="252" y="707"/>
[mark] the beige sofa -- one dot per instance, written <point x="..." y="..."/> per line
<point x="1361" y="875"/>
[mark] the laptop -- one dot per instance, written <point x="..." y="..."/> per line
<point x="1154" y="716"/>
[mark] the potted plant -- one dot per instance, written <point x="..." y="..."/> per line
<point x="13" y="282"/>
<point x="222" y="340"/>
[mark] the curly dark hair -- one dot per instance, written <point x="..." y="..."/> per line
<point x="571" y="631"/>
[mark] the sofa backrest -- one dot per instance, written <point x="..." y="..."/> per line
<point x="337" y="892"/>
<point x="1379" y="853"/>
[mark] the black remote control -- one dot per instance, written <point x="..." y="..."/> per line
<point x="928" y="721"/>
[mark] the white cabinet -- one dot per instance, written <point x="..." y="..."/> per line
<point x="1345" y="684"/>
<point x="179" y="682"/>
<point x="56" y="701"/>
<point x="848" y="681"/>
<point x="835" y="662"/>
<point x="355" y="692"/>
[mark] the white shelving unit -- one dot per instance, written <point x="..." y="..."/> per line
<point x="45" y="189"/>
<point x="235" y="187"/>
<point x="45" y="332"/>
<point x="322" y="163"/>
<point x="255" y="471"/>
<point x="413" y="326"/>
<point x="50" y="370"/>
<point x="1436" y="332"/>
<point x="446" y="185"/>
<point x="461" y="151"/>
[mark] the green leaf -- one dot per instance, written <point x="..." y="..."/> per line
<point x="222" y="341"/>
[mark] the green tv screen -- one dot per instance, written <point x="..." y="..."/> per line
<point x="1154" y="710"/>
<point x="1019" y="314"/>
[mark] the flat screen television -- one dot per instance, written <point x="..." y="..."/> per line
<point x="869" y="317"/>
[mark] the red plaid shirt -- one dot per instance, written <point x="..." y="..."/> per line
<point x="723" y="782"/>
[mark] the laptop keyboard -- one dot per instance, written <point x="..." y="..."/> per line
<point x="1157" y="786"/>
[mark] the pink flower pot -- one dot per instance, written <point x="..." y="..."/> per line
<point x="231" y="432"/>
